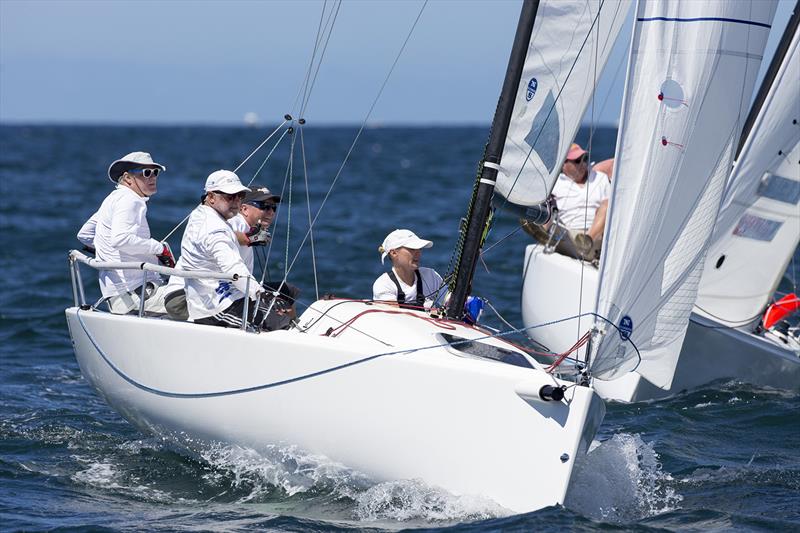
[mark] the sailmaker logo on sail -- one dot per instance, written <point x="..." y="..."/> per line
<point x="625" y="327"/>
<point x="532" y="86"/>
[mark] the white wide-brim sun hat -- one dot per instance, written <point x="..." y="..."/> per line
<point x="402" y="238"/>
<point x="133" y="159"/>
<point x="225" y="181"/>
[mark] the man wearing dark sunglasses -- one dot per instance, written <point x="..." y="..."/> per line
<point x="252" y="223"/>
<point x="209" y="243"/>
<point x="118" y="232"/>
<point x="582" y="195"/>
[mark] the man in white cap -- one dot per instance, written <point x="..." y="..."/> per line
<point x="209" y="243"/>
<point x="119" y="232"/>
<point x="407" y="283"/>
<point x="582" y="198"/>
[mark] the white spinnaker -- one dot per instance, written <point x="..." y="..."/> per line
<point x="569" y="46"/>
<point x="758" y="227"/>
<point x="690" y="78"/>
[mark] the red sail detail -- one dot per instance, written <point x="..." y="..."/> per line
<point x="780" y="310"/>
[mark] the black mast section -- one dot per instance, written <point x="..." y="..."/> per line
<point x="769" y="77"/>
<point x="472" y="236"/>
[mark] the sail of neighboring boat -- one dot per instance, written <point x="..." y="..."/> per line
<point x="569" y="46"/>
<point x="758" y="228"/>
<point x="691" y="74"/>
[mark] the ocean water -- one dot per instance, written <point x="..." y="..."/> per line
<point x="722" y="458"/>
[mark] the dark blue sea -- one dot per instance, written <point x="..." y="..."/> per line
<point x="723" y="458"/>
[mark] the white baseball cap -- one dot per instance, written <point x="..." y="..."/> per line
<point x="224" y="181"/>
<point x="133" y="159"/>
<point x="402" y="238"/>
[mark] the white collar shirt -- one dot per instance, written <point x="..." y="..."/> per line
<point x="238" y="223"/>
<point x="578" y="204"/>
<point x="119" y="233"/>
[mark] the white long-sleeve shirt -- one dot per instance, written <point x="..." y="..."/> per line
<point x="210" y="244"/>
<point x="238" y="223"/>
<point x="118" y="231"/>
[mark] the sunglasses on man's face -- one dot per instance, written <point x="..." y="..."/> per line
<point x="581" y="159"/>
<point x="264" y="206"/>
<point x="145" y="172"/>
<point x="230" y="197"/>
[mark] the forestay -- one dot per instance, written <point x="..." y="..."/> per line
<point x="569" y="46"/>
<point x="759" y="224"/>
<point x="691" y="73"/>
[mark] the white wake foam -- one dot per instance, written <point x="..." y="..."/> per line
<point x="621" y="480"/>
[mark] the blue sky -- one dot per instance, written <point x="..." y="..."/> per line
<point x="210" y="62"/>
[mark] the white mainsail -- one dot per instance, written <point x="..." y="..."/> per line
<point x="691" y="74"/>
<point x="758" y="227"/>
<point x="569" y="46"/>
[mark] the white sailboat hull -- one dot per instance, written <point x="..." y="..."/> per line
<point x="469" y="425"/>
<point x="710" y="352"/>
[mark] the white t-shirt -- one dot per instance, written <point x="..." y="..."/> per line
<point x="384" y="288"/>
<point x="238" y="223"/>
<point x="118" y="231"/>
<point x="210" y="244"/>
<point x="576" y="206"/>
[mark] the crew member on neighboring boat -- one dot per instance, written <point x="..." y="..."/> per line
<point x="119" y="232"/>
<point x="209" y="243"/>
<point x="406" y="283"/>
<point x="582" y="198"/>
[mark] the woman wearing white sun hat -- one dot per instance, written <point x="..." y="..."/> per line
<point x="407" y="283"/>
<point x="118" y="232"/>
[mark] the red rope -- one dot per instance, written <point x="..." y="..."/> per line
<point x="581" y="342"/>
<point x="435" y="321"/>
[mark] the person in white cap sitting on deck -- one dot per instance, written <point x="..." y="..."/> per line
<point x="210" y="244"/>
<point x="118" y="232"/>
<point x="407" y="283"/>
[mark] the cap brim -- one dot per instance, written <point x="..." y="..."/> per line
<point x="418" y="244"/>
<point x="231" y="189"/>
<point x="117" y="168"/>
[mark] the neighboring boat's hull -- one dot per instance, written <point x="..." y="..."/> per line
<point x="465" y="424"/>
<point x="711" y="352"/>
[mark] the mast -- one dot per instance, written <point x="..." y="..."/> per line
<point x="472" y="235"/>
<point x="769" y="77"/>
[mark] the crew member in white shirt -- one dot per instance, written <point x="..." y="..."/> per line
<point x="407" y="283"/>
<point x="251" y="224"/>
<point x="582" y="198"/>
<point x="209" y="243"/>
<point x="119" y="232"/>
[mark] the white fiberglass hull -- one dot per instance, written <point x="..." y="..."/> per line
<point x="469" y="425"/>
<point x="552" y="285"/>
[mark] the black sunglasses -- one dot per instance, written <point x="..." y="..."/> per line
<point x="581" y="159"/>
<point x="230" y="197"/>
<point x="145" y="172"/>
<point x="264" y="206"/>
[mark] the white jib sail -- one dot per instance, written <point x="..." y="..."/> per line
<point x="569" y="46"/>
<point x="691" y="74"/>
<point x="758" y="227"/>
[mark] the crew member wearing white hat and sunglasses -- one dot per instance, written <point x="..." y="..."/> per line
<point x="406" y="283"/>
<point x="119" y="232"/>
<point x="209" y="243"/>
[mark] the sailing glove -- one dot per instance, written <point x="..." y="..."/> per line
<point x="257" y="236"/>
<point x="165" y="257"/>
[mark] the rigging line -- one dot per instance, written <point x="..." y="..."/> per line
<point x="182" y="222"/>
<point x="289" y="205"/>
<point x="277" y="143"/>
<point x="246" y="159"/>
<point x="488" y="248"/>
<point x="553" y="106"/>
<point x="308" y="204"/>
<point x="358" y="134"/>
<point x="310" y="88"/>
<point x="317" y="40"/>
<point x="277" y="208"/>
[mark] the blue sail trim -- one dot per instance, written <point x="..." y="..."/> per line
<point x="703" y="19"/>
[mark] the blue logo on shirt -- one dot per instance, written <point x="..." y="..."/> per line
<point x="223" y="289"/>
<point x="625" y="327"/>
<point x="532" y="86"/>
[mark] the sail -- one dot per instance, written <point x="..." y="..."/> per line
<point x="569" y="46"/>
<point x="758" y="227"/>
<point x="691" y="73"/>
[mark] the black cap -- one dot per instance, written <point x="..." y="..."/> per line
<point x="259" y="193"/>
